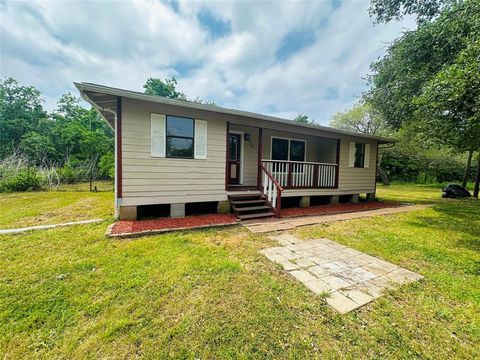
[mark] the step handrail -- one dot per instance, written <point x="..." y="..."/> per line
<point x="272" y="189"/>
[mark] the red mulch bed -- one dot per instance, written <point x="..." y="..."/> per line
<point x="136" y="226"/>
<point x="337" y="208"/>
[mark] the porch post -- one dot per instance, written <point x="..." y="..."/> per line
<point x="338" y="163"/>
<point x="260" y="151"/>
<point x="226" y="155"/>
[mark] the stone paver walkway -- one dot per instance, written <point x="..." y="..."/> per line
<point x="260" y="226"/>
<point x="347" y="277"/>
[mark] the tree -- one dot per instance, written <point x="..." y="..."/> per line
<point x="302" y="118"/>
<point x="415" y="59"/>
<point x="167" y="88"/>
<point x="363" y="118"/>
<point x="449" y="104"/>
<point x="387" y="10"/>
<point x="21" y="111"/>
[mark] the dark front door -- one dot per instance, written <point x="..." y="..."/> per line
<point x="234" y="141"/>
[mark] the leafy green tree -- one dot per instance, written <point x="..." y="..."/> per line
<point x="21" y="111"/>
<point x="450" y="104"/>
<point x="364" y="119"/>
<point x="167" y="88"/>
<point x="387" y="10"/>
<point x="302" y="118"/>
<point x="39" y="148"/>
<point x="415" y="59"/>
<point x="361" y="118"/>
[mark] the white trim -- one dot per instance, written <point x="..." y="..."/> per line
<point x="351" y="154"/>
<point x="196" y="141"/>
<point x="366" y="156"/>
<point x="242" y="135"/>
<point x="289" y="139"/>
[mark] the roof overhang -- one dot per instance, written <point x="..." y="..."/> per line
<point x="104" y="99"/>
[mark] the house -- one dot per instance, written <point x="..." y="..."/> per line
<point x="180" y="154"/>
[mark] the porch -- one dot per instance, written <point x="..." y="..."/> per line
<point x="272" y="163"/>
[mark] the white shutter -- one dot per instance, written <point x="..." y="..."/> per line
<point x="157" y="135"/>
<point x="351" y="156"/>
<point x="200" y="139"/>
<point x="366" y="161"/>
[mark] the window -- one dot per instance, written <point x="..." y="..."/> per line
<point x="180" y="135"/>
<point x="297" y="150"/>
<point x="279" y="149"/>
<point x="286" y="149"/>
<point x="359" y="155"/>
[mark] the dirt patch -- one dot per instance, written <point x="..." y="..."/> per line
<point x="141" y="226"/>
<point x="337" y="208"/>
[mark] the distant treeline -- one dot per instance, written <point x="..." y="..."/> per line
<point x="41" y="149"/>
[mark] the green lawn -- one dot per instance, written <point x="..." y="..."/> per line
<point x="68" y="203"/>
<point x="72" y="293"/>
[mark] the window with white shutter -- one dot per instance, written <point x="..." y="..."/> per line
<point x="359" y="155"/>
<point x="200" y="139"/>
<point x="157" y="135"/>
<point x="351" y="155"/>
<point x="366" y="161"/>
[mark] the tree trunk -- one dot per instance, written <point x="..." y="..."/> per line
<point x="477" y="179"/>
<point x="380" y="173"/>
<point x="383" y="176"/>
<point x="467" y="168"/>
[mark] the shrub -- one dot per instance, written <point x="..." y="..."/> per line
<point x="23" y="180"/>
<point x="68" y="175"/>
<point x="421" y="167"/>
<point x="106" y="166"/>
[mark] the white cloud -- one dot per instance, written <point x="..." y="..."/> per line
<point x="51" y="44"/>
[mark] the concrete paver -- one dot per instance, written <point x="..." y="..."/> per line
<point x="347" y="277"/>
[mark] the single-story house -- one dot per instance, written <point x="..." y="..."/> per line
<point x="179" y="154"/>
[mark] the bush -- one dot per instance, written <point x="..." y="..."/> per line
<point x="68" y="175"/>
<point x="22" y="180"/>
<point x="106" y="166"/>
<point x="422" y="167"/>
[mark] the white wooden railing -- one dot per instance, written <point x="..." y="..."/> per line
<point x="271" y="189"/>
<point x="297" y="174"/>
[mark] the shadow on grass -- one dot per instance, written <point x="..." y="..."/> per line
<point x="462" y="216"/>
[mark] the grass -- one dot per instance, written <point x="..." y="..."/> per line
<point x="72" y="293"/>
<point x="67" y="203"/>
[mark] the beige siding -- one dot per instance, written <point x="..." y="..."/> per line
<point x="356" y="179"/>
<point x="318" y="149"/>
<point x="152" y="180"/>
<point x="249" y="153"/>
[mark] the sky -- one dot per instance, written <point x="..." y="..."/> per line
<point x="279" y="58"/>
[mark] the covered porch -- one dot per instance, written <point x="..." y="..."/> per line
<point x="271" y="162"/>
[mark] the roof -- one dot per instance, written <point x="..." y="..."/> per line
<point x="104" y="99"/>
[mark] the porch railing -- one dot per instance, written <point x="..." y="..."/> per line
<point x="272" y="190"/>
<point x="302" y="175"/>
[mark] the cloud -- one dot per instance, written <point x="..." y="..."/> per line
<point x="280" y="58"/>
